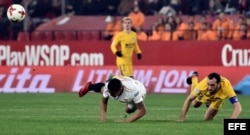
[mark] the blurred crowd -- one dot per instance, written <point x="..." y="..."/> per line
<point x="169" y="25"/>
<point x="173" y="28"/>
<point x="123" y="7"/>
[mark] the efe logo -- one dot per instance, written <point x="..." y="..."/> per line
<point x="236" y="126"/>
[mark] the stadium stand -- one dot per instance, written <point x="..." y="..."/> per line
<point x="89" y="16"/>
<point x="38" y="36"/>
<point x="83" y="36"/>
<point x="23" y="36"/>
<point x="49" y="35"/>
<point x="65" y="35"/>
<point x="94" y="30"/>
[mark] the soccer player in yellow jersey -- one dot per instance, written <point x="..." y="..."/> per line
<point x="127" y="40"/>
<point x="212" y="91"/>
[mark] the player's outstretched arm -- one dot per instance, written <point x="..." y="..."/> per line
<point x="141" y="111"/>
<point x="186" y="106"/>
<point x="103" y="109"/>
<point x="237" y="110"/>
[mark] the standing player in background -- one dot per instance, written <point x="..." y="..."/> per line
<point x="212" y="91"/>
<point x="124" y="89"/>
<point x="127" y="39"/>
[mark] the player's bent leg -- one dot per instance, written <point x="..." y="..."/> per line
<point x="190" y="80"/>
<point x="97" y="87"/>
<point x="210" y="114"/>
<point x="193" y="80"/>
<point x="84" y="89"/>
<point x="130" y="107"/>
<point x="196" y="103"/>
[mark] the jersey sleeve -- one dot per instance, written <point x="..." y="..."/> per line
<point x="229" y="91"/>
<point x="137" y="48"/>
<point x="105" y="93"/>
<point x="115" y="43"/>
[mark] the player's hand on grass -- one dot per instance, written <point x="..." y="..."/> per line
<point x="180" y="120"/>
<point x="120" y="120"/>
<point x="103" y="119"/>
<point x="118" y="53"/>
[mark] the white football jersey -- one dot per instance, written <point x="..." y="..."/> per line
<point x="134" y="91"/>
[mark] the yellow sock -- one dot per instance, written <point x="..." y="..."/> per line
<point x="194" y="82"/>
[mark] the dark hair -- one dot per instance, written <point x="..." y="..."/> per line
<point x="114" y="85"/>
<point x="214" y="75"/>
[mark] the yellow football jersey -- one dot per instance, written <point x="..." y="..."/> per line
<point x="217" y="99"/>
<point x="128" y="44"/>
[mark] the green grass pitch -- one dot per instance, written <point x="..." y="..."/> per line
<point x="67" y="114"/>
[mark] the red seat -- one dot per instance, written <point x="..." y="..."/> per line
<point x="58" y="35"/>
<point x="95" y="35"/>
<point x="69" y="35"/>
<point x="38" y="36"/>
<point x="84" y="35"/>
<point x="48" y="35"/>
<point x="23" y="36"/>
<point x="65" y="35"/>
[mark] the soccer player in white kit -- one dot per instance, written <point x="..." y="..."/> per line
<point x="124" y="89"/>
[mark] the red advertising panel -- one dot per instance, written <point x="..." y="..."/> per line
<point x="157" y="79"/>
<point x="98" y="53"/>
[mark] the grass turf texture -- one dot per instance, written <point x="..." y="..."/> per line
<point x="66" y="114"/>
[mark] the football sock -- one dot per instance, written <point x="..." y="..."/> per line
<point x="194" y="82"/>
<point x="96" y="87"/>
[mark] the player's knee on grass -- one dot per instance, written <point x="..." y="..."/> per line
<point x="196" y="104"/>
<point x="130" y="108"/>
